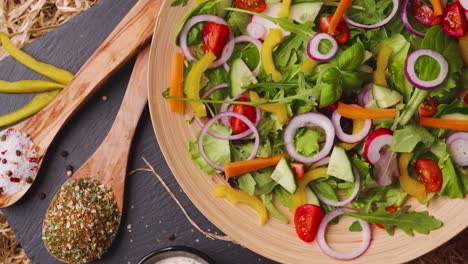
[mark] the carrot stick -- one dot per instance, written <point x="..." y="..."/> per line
<point x="357" y="112"/>
<point x="241" y="167"/>
<point x="453" y="124"/>
<point x="176" y="88"/>
<point x="338" y="15"/>
<point x="437" y="6"/>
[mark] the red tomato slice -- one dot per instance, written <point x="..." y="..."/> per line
<point x="429" y="174"/>
<point x="252" y="5"/>
<point x="424" y="14"/>
<point x="307" y="220"/>
<point x="246" y="110"/>
<point x="428" y="107"/>
<point x="454" y="21"/>
<point x="341" y="33"/>
<point x="214" y="37"/>
<point x="298" y="169"/>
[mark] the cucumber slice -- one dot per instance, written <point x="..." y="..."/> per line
<point x="339" y="165"/>
<point x="311" y="197"/>
<point x="284" y="176"/>
<point x="305" y="12"/>
<point x="385" y="97"/>
<point x="240" y="76"/>
<point x="460" y="113"/>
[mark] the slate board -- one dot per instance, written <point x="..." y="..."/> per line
<point x="149" y="211"/>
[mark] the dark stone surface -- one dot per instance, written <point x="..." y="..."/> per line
<point x="149" y="211"/>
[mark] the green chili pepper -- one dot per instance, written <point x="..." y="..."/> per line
<point x="28" y="86"/>
<point x="54" y="73"/>
<point x="35" y="105"/>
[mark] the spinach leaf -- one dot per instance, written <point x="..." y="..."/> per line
<point x="350" y="58"/>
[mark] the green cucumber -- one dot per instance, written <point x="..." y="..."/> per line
<point x="305" y="12"/>
<point x="221" y="5"/>
<point x="311" y="196"/>
<point x="385" y="97"/>
<point x="284" y="176"/>
<point x="240" y="76"/>
<point x="339" y="165"/>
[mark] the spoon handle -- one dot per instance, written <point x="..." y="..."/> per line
<point x="130" y="34"/>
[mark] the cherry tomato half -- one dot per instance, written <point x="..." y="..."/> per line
<point x="298" y="169"/>
<point x="307" y="220"/>
<point x="424" y="14"/>
<point x="341" y="33"/>
<point x="390" y="209"/>
<point x="246" y="110"/>
<point x="428" y="107"/>
<point x="251" y="5"/>
<point x="429" y="174"/>
<point x="214" y="37"/>
<point x="464" y="97"/>
<point x="454" y="21"/>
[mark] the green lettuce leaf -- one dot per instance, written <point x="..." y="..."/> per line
<point x="267" y="200"/>
<point x="452" y="186"/>
<point x="247" y="183"/>
<point x="307" y="141"/>
<point x="406" y="139"/>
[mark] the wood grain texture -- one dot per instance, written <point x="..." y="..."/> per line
<point x="129" y="36"/>
<point x="275" y="240"/>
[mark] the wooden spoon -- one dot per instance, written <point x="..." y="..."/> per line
<point x="129" y="36"/>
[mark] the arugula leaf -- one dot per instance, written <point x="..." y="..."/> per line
<point x="267" y="200"/>
<point x="406" y="139"/>
<point x="355" y="227"/>
<point x="409" y="222"/>
<point x="284" y="53"/>
<point x="452" y="186"/>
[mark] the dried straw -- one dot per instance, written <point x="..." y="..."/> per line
<point x="10" y="250"/>
<point x="26" y="20"/>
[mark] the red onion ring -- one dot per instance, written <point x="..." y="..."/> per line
<point x="321" y="162"/>
<point x="213" y="89"/>
<point x="210" y="122"/>
<point x="464" y="4"/>
<point x="404" y="17"/>
<point x="313" y="47"/>
<point x="376" y="25"/>
<point x="457" y="144"/>
<point x="321" y="241"/>
<point x="184" y="33"/>
<point x="347" y="138"/>
<point x="357" y="187"/>
<point x="456" y="136"/>
<point x="365" y="96"/>
<point x="255" y="30"/>
<point x="245" y="38"/>
<point x="309" y="120"/>
<point x="413" y="77"/>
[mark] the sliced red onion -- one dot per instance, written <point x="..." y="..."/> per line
<point x="322" y="242"/>
<point x="413" y="77"/>
<point x="404" y="17"/>
<point x="245" y="38"/>
<point x="376" y="141"/>
<point x="386" y="169"/>
<point x="313" y="47"/>
<point x="357" y="187"/>
<point x="376" y="25"/>
<point x="309" y="120"/>
<point x="255" y="30"/>
<point x="195" y="20"/>
<point x="365" y="96"/>
<point x="354" y="138"/>
<point x="205" y="130"/>
<point x="321" y="162"/>
<point x="213" y="89"/>
<point x="466" y="14"/>
<point x="464" y="4"/>
<point x="457" y="144"/>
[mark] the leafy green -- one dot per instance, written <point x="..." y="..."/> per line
<point x="406" y="139"/>
<point x="307" y="141"/>
<point x="267" y="200"/>
<point x="284" y="196"/>
<point x="264" y="182"/>
<point x="400" y="48"/>
<point x="375" y="11"/>
<point x="247" y="183"/>
<point x="350" y="58"/>
<point x="248" y="53"/>
<point x="355" y="227"/>
<point x="409" y="222"/>
<point x="217" y="150"/>
<point x="452" y="185"/>
<point x="238" y="22"/>
<point x="179" y="3"/>
<point x="194" y="35"/>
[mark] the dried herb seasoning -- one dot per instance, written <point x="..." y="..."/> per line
<point x="81" y="222"/>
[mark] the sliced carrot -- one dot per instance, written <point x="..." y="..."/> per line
<point x="338" y="15"/>
<point x="357" y="112"/>
<point x="452" y="124"/>
<point x="176" y="88"/>
<point x="437" y="6"/>
<point x="241" y="167"/>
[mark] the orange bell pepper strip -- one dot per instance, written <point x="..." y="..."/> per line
<point x="437" y="6"/>
<point x="176" y="89"/>
<point x="338" y="15"/>
<point x="299" y="198"/>
<point x="408" y="184"/>
<point x="236" y="196"/>
<point x="452" y="124"/>
<point x="357" y="112"/>
<point x="237" y="168"/>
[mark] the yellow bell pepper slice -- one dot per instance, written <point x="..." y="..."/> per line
<point x="308" y="66"/>
<point x="35" y="105"/>
<point x="358" y="124"/>
<point x="54" y="73"/>
<point x="236" y="196"/>
<point x="408" y="184"/>
<point x="300" y="197"/>
<point x="285" y="8"/>
<point x="28" y="86"/>
<point x="463" y="44"/>
<point x="193" y="82"/>
<point x="271" y="41"/>
<point x="383" y="58"/>
<point x="278" y="109"/>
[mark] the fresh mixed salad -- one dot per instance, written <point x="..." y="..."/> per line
<point x="331" y="108"/>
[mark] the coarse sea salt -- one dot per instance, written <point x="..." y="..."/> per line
<point x="19" y="161"/>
